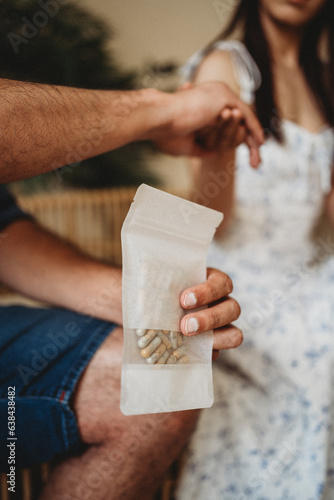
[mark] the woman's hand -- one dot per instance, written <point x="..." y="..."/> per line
<point x="221" y="311"/>
<point x="203" y="116"/>
<point x="228" y="133"/>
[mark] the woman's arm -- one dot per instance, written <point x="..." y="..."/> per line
<point x="213" y="176"/>
<point x="329" y="207"/>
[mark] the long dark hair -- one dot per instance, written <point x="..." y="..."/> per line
<point x="319" y="74"/>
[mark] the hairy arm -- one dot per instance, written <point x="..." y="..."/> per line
<point x="40" y="265"/>
<point x="44" y="127"/>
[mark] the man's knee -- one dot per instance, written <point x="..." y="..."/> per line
<point x="97" y="404"/>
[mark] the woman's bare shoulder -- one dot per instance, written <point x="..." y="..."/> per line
<point x="218" y="66"/>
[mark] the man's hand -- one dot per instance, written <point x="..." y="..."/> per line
<point x="200" y="114"/>
<point x="221" y="311"/>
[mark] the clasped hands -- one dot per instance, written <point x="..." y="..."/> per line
<point x="207" y="117"/>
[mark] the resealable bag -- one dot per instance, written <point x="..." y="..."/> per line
<point x="164" y="245"/>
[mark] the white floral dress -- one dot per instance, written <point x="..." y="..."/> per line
<point x="270" y="432"/>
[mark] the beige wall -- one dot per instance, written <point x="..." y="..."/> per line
<point x="162" y="30"/>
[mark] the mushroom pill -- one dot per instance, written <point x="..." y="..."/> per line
<point x="151" y="347"/>
<point x="165" y="339"/>
<point x="171" y="360"/>
<point x="184" y="360"/>
<point x="162" y="360"/>
<point x="156" y="355"/>
<point x="179" y="351"/>
<point x="173" y="339"/>
<point x="146" y="339"/>
<point x="162" y="346"/>
<point x="140" y="332"/>
<point x="179" y="339"/>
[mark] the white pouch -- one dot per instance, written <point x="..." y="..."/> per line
<point x="164" y="245"/>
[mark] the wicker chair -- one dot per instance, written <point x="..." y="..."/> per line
<point x="92" y="220"/>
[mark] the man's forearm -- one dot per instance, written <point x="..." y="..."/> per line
<point x="44" y="127"/>
<point x="43" y="267"/>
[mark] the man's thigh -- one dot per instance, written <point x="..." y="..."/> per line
<point x="100" y="420"/>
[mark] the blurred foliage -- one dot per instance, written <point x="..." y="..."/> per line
<point x="72" y="48"/>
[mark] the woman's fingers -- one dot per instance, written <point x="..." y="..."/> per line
<point x="254" y="151"/>
<point x="229" y="132"/>
<point x="252" y="123"/>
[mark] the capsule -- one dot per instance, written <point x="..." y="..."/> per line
<point x="162" y="360"/>
<point x="151" y="347"/>
<point x="157" y="354"/>
<point x="165" y="339"/>
<point x="179" y="351"/>
<point x="173" y="339"/>
<point x="171" y="360"/>
<point x="183" y="360"/>
<point x="179" y="339"/>
<point x="140" y="332"/>
<point x="146" y="339"/>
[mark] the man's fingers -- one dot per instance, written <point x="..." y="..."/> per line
<point x="217" y="285"/>
<point x="211" y="318"/>
<point x="227" y="337"/>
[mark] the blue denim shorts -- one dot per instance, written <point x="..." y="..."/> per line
<point x="43" y="353"/>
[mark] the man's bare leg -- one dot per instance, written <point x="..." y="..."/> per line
<point x="127" y="456"/>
